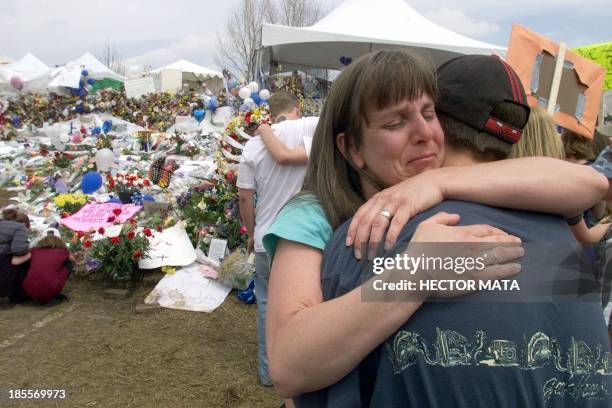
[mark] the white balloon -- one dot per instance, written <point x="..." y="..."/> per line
<point x="264" y="94"/>
<point x="64" y="138"/>
<point x="104" y="159"/>
<point x="249" y="102"/>
<point x="253" y="86"/>
<point x="244" y="92"/>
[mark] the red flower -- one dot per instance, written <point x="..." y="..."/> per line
<point x="131" y="235"/>
<point x="147" y="182"/>
<point x="117" y="211"/>
<point x="132" y="221"/>
<point x="115" y="240"/>
<point x="243" y="230"/>
<point x="137" y="253"/>
<point x="159" y="229"/>
<point x="101" y="230"/>
<point x="80" y="234"/>
<point x="87" y="244"/>
<point x="110" y="219"/>
<point x="147" y="232"/>
<point x="64" y="215"/>
<point x="229" y="176"/>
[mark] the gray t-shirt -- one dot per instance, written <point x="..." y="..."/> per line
<point x="470" y="353"/>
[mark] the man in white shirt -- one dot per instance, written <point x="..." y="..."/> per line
<point x="275" y="184"/>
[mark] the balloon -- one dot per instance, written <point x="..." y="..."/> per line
<point x="92" y="181"/>
<point x="17" y="82"/>
<point x="244" y="92"/>
<point x="84" y="73"/>
<point x="82" y="92"/>
<point x="107" y="126"/>
<point x="104" y="159"/>
<point x="255" y="97"/>
<point x="249" y="102"/>
<point x="198" y="114"/>
<point x="212" y="104"/>
<point x="264" y="94"/>
<point x="96" y="131"/>
<point x="65" y="138"/>
<point x="91" y="81"/>
<point x="253" y="87"/>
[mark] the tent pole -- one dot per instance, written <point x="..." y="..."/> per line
<point x="556" y="82"/>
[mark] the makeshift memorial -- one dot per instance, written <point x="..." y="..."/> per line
<point x="91" y="182"/>
<point x="62" y="160"/>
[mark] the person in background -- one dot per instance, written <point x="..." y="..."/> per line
<point x="14" y="254"/>
<point x="540" y="137"/>
<point x="50" y="266"/>
<point x="274" y="184"/>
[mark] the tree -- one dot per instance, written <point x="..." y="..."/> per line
<point x="111" y="58"/>
<point x="237" y="45"/>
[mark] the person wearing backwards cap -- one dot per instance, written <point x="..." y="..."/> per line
<point x="473" y="351"/>
<point x="379" y="140"/>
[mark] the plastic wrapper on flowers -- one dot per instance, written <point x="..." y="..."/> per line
<point x="237" y="270"/>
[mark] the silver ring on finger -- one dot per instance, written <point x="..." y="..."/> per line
<point x="386" y="214"/>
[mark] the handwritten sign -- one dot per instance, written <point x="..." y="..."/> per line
<point x="136" y="88"/>
<point x="94" y="216"/>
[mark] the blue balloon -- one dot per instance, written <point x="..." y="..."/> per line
<point x="115" y="200"/>
<point x="92" y="181"/>
<point x="96" y="131"/>
<point x="212" y="104"/>
<point x="82" y="92"/>
<point x="198" y="114"/>
<point x="255" y="97"/>
<point x="148" y="197"/>
<point x="91" y="81"/>
<point x="107" y="126"/>
<point x="84" y="73"/>
<point x="16" y="121"/>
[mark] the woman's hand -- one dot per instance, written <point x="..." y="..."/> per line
<point x="489" y="248"/>
<point x="402" y="201"/>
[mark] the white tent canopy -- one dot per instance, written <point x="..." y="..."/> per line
<point x="95" y="68"/>
<point x="186" y="66"/>
<point x="357" y="27"/>
<point x="28" y="67"/>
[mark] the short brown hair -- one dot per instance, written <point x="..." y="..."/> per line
<point x="51" y="241"/>
<point x="482" y="146"/>
<point x="11" y="214"/>
<point x="577" y="147"/>
<point x="282" y="102"/>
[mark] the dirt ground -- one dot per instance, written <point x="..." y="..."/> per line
<point x="104" y="354"/>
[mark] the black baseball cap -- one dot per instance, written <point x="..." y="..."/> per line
<point x="471" y="86"/>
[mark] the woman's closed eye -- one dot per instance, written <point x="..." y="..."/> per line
<point x="395" y="124"/>
<point x="429" y="115"/>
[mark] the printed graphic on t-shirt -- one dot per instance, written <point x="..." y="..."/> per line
<point x="582" y="367"/>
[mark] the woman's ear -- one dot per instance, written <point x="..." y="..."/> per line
<point x="350" y="154"/>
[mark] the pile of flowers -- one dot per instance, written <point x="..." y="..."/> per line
<point x="125" y="184"/>
<point x="69" y="204"/>
<point x="117" y="256"/>
<point x="211" y="210"/>
<point x="84" y="164"/>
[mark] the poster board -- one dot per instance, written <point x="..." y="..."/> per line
<point x="533" y="58"/>
<point x="601" y="54"/>
<point x="171" y="80"/>
<point x="136" y="88"/>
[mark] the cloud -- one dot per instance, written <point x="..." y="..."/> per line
<point x="456" y="20"/>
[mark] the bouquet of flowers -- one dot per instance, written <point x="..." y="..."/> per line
<point x="84" y="164"/>
<point x="62" y="160"/>
<point x="211" y="210"/>
<point x="70" y="203"/>
<point x="104" y="141"/>
<point x="125" y="184"/>
<point x="118" y="256"/>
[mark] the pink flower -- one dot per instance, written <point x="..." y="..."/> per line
<point x="243" y="230"/>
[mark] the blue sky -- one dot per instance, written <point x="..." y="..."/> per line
<point x="159" y="31"/>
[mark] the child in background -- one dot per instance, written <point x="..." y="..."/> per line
<point x="50" y="266"/>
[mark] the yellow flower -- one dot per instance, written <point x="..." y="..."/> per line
<point x="59" y="201"/>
